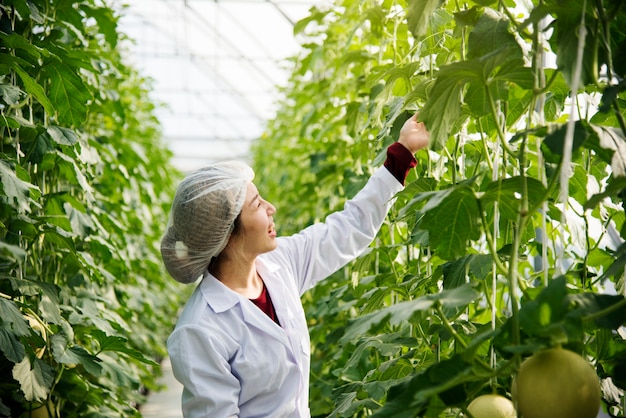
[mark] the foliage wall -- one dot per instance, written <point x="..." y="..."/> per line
<point x="509" y="235"/>
<point x="85" y="305"/>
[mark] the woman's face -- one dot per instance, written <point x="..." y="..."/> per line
<point x="257" y="231"/>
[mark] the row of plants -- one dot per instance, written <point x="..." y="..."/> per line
<point x="508" y="240"/>
<point x="85" y="304"/>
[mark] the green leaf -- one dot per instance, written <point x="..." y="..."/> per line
<point x="119" y="345"/>
<point x="468" y="17"/>
<point x="11" y="252"/>
<point x="10" y="94"/>
<point x="31" y="87"/>
<point x="62" y="136"/>
<point x="405" y="311"/>
<point x="453" y="223"/>
<point x="568" y="18"/>
<point x="551" y="315"/>
<point x="65" y="353"/>
<point x="443" y="109"/>
<point x="456" y="273"/>
<point x="419" y="13"/>
<point x="68" y="93"/>
<point x="607" y="311"/>
<point x="17" y="190"/>
<point x="10" y="314"/>
<point x="16" y="41"/>
<point x="490" y="35"/>
<point x="35" y="378"/>
<point x="507" y="193"/>
<point x="554" y="143"/>
<point x="443" y="378"/>
<point x="615" y="186"/>
<point x="11" y="346"/>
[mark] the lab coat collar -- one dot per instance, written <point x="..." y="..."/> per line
<point x="221" y="298"/>
<point x="217" y="295"/>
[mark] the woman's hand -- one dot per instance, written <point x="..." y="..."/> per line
<point x="414" y="135"/>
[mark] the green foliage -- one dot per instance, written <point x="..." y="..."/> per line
<point x="85" y="305"/>
<point x="486" y="257"/>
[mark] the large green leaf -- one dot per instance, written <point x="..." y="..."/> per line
<point x="35" y="378"/>
<point x="443" y="108"/>
<point x="506" y="192"/>
<point x="453" y="223"/>
<point x="568" y="19"/>
<point x="418" y="15"/>
<point x="31" y="86"/>
<point x="68" y="93"/>
<point x="491" y="34"/>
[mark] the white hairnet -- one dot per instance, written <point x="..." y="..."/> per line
<point x="202" y="217"/>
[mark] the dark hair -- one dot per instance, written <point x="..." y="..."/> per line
<point x="237" y="224"/>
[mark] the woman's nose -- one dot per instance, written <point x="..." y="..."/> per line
<point x="270" y="208"/>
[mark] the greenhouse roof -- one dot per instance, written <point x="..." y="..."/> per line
<point x="215" y="66"/>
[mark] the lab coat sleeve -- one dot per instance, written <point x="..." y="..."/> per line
<point x="323" y="248"/>
<point x="200" y="363"/>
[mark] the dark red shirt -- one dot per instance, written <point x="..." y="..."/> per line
<point x="264" y="302"/>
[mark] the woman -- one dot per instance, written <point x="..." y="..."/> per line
<point x="241" y="346"/>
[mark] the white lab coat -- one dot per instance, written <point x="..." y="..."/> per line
<point x="232" y="359"/>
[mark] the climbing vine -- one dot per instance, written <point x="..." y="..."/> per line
<point x="509" y="236"/>
<point x="85" y="305"/>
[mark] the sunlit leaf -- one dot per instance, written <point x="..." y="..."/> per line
<point x="453" y="223"/>
<point x="35" y="378"/>
<point x="443" y="108"/>
<point x="62" y="136"/>
<point x="10" y="94"/>
<point x="490" y="34"/>
<point x="418" y="15"/>
<point x="68" y="93"/>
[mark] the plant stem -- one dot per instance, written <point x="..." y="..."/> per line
<point x="513" y="263"/>
<point x="569" y="132"/>
<point x="491" y="242"/>
<point x="606" y="311"/>
<point x="496" y="118"/>
<point x="439" y="308"/>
